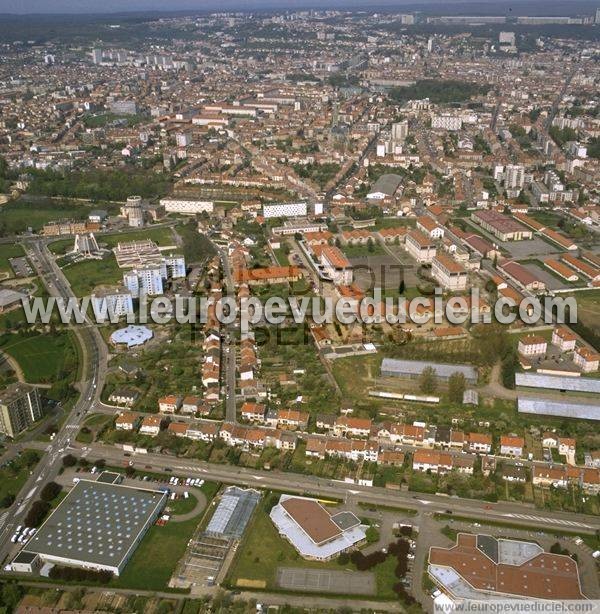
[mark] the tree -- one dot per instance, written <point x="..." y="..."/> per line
<point x="372" y="535"/>
<point x="7" y="500"/>
<point x="50" y="491"/>
<point x="428" y="380"/>
<point x="37" y="513"/>
<point x="456" y="387"/>
<point x="401" y="287"/>
<point x="371" y="245"/>
<point x="69" y="461"/>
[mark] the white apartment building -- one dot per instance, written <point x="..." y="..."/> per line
<point x="449" y="273"/>
<point x="420" y="246"/>
<point x="564" y="339"/>
<point x="187" y="206"/>
<point x="446" y="122"/>
<point x="118" y="302"/>
<point x="144" y="281"/>
<point x="586" y="359"/>
<point x="285" y="210"/>
<point x="175" y="266"/>
<point x="514" y="176"/>
<point x="532" y="345"/>
<point x="336" y="266"/>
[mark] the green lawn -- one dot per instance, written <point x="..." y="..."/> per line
<point x="6" y="252"/>
<point x="42" y="357"/>
<point x="363" y="251"/>
<point x="161" y="235"/>
<point x="84" y="276"/>
<point x="263" y="551"/>
<point x="385" y="578"/>
<point x="14" y="475"/>
<point x="17" y="216"/>
<point x="182" y="506"/>
<point x="153" y="563"/>
<point x="61" y="247"/>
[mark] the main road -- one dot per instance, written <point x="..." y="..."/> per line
<point x="94" y="357"/>
<point x="507" y="512"/>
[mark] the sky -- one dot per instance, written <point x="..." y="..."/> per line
<point x="111" y="6"/>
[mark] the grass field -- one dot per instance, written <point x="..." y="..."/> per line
<point x="263" y="551"/>
<point x="182" y="506"/>
<point x="41" y="357"/>
<point x="153" y="563"/>
<point x="15" y="473"/>
<point x="17" y="216"/>
<point x="355" y="374"/>
<point x="360" y="251"/>
<point x="61" y="247"/>
<point x="6" y="252"/>
<point x="588" y="308"/>
<point x="161" y="235"/>
<point x="84" y="276"/>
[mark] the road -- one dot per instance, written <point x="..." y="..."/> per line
<point x="229" y="345"/>
<point x="515" y="513"/>
<point x="94" y="353"/>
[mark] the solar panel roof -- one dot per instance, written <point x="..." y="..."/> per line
<point x="97" y="523"/>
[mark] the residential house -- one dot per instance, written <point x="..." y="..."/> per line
<point x="253" y="412"/>
<point x="127" y="421"/>
<point x="354" y="427"/>
<point x="151" y="426"/>
<point x="479" y="443"/>
<point x="432" y="460"/>
<point x="169" y="404"/>
<point x="511" y="445"/>
<point x="124" y="396"/>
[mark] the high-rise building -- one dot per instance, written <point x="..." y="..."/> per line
<point x="514" y="176"/>
<point x="134" y="211"/>
<point x="446" y="122"/>
<point x="175" y="265"/>
<point x="97" y="56"/>
<point x="597" y="18"/>
<point x="112" y="302"/>
<point x="144" y="281"/>
<point x="20" y="407"/>
<point x="399" y="132"/>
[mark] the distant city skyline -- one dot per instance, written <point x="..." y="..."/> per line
<point x="23" y="7"/>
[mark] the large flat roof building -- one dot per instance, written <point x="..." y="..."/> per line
<point x="501" y="226"/>
<point x="313" y="530"/>
<point x="391" y="367"/>
<point x="97" y="526"/>
<point x="480" y="566"/>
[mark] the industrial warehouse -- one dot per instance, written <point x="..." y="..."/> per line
<point x="97" y="526"/>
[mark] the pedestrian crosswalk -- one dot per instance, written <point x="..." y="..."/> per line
<point x="3" y="519"/>
<point x="542" y="520"/>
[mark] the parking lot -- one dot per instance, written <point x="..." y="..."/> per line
<point x="326" y="581"/>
